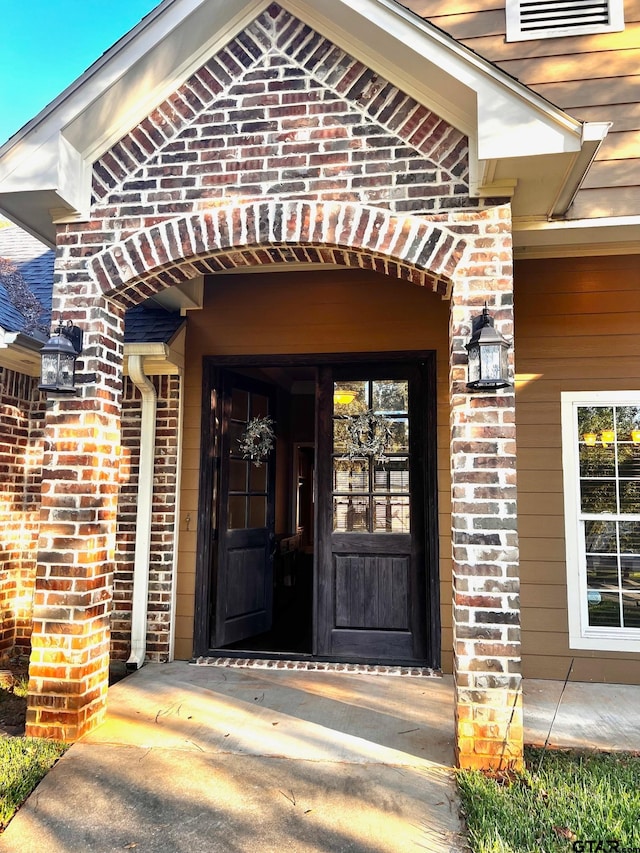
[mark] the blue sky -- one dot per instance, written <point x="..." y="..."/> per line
<point x="46" y="44"/>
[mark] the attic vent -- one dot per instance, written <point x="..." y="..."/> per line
<point x="533" y="19"/>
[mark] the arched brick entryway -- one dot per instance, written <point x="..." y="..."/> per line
<point x="468" y="259"/>
<point x="235" y="236"/>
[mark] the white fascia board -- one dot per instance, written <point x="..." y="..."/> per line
<point x="541" y="238"/>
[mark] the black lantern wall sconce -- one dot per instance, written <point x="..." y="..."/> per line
<point x="488" y="356"/>
<point x="58" y="359"/>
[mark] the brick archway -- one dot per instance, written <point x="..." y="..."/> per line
<point x="243" y="235"/>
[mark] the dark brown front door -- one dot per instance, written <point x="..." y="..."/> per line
<point x="373" y="567"/>
<point x="243" y="579"/>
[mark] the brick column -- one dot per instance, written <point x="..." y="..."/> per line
<point x="486" y="608"/>
<point x="68" y="675"/>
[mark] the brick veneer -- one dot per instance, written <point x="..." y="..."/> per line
<point x="21" y="415"/>
<point x="280" y="148"/>
<point x="161" y="558"/>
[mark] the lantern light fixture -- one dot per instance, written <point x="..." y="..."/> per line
<point x="58" y="359"/>
<point x="488" y="355"/>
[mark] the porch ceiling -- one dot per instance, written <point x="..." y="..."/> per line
<point x="520" y="144"/>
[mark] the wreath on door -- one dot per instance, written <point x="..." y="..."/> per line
<point x="258" y="439"/>
<point x="368" y="434"/>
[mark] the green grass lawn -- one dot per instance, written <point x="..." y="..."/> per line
<point x="558" y="805"/>
<point x="23" y="761"/>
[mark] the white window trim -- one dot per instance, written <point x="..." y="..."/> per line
<point x="581" y="634"/>
<point x="515" y="33"/>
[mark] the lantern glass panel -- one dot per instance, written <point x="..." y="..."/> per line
<point x="490" y="361"/>
<point x="49" y="374"/>
<point x="474" y="363"/>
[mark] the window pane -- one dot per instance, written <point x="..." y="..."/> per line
<point x="351" y="475"/>
<point x="630" y="571"/>
<point x="391" y="396"/>
<point x="627" y="420"/>
<point x="600" y="537"/>
<point x="631" y="611"/>
<point x="628" y="460"/>
<point x="629" y="532"/>
<point x="239" y="405"/>
<point x="604" y="609"/>
<point x="350" y="398"/>
<point x="602" y="572"/>
<point x="391" y="514"/>
<point x="238" y="475"/>
<point x="392" y="475"/>
<point x="597" y="496"/>
<point x="630" y="496"/>
<point x="258" y="477"/>
<point x="237" y="512"/>
<point x="350" y="515"/>
<point x="597" y="461"/>
<point x="257" y="511"/>
<point x="594" y="419"/>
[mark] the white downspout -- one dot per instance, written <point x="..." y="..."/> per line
<point x="143" y="515"/>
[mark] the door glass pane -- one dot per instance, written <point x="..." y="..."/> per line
<point x="391" y="514"/>
<point x="236" y="431"/>
<point x="259" y="406"/>
<point x="392" y="475"/>
<point x="257" y="511"/>
<point x="350" y="398"/>
<point x="351" y="475"/>
<point x="258" y="477"/>
<point x="350" y="515"/>
<point x="391" y="396"/>
<point x="239" y="405"/>
<point x="237" y="512"/>
<point x="399" y="436"/>
<point x="237" y="475"/>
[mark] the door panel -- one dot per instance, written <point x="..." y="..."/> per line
<point x="372" y="572"/>
<point x="245" y="525"/>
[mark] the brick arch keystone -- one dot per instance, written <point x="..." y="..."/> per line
<point x="267" y="232"/>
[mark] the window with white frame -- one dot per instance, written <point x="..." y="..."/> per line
<point x="538" y="19"/>
<point x="601" y="460"/>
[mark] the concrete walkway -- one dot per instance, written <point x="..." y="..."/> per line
<point x="204" y="759"/>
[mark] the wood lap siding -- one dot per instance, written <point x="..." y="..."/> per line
<point x="592" y="77"/>
<point x="577" y="322"/>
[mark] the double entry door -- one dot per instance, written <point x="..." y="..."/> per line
<point x="375" y="577"/>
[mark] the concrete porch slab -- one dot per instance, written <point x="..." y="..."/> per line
<point x="215" y="759"/>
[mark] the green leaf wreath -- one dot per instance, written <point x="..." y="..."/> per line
<point x="257" y="441"/>
<point x="368" y="434"/>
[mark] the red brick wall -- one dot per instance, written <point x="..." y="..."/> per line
<point x="21" y="414"/>
<point x="161" y="562"/>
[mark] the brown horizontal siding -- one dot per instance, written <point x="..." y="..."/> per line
<point x="593" y="77"/>
<point x="575" y="323"/>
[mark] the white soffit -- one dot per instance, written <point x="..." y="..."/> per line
<point x="45" y="168"/>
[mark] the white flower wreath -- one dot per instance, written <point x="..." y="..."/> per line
<point x="368" y="434"/>
<point x="256" y="442"/>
